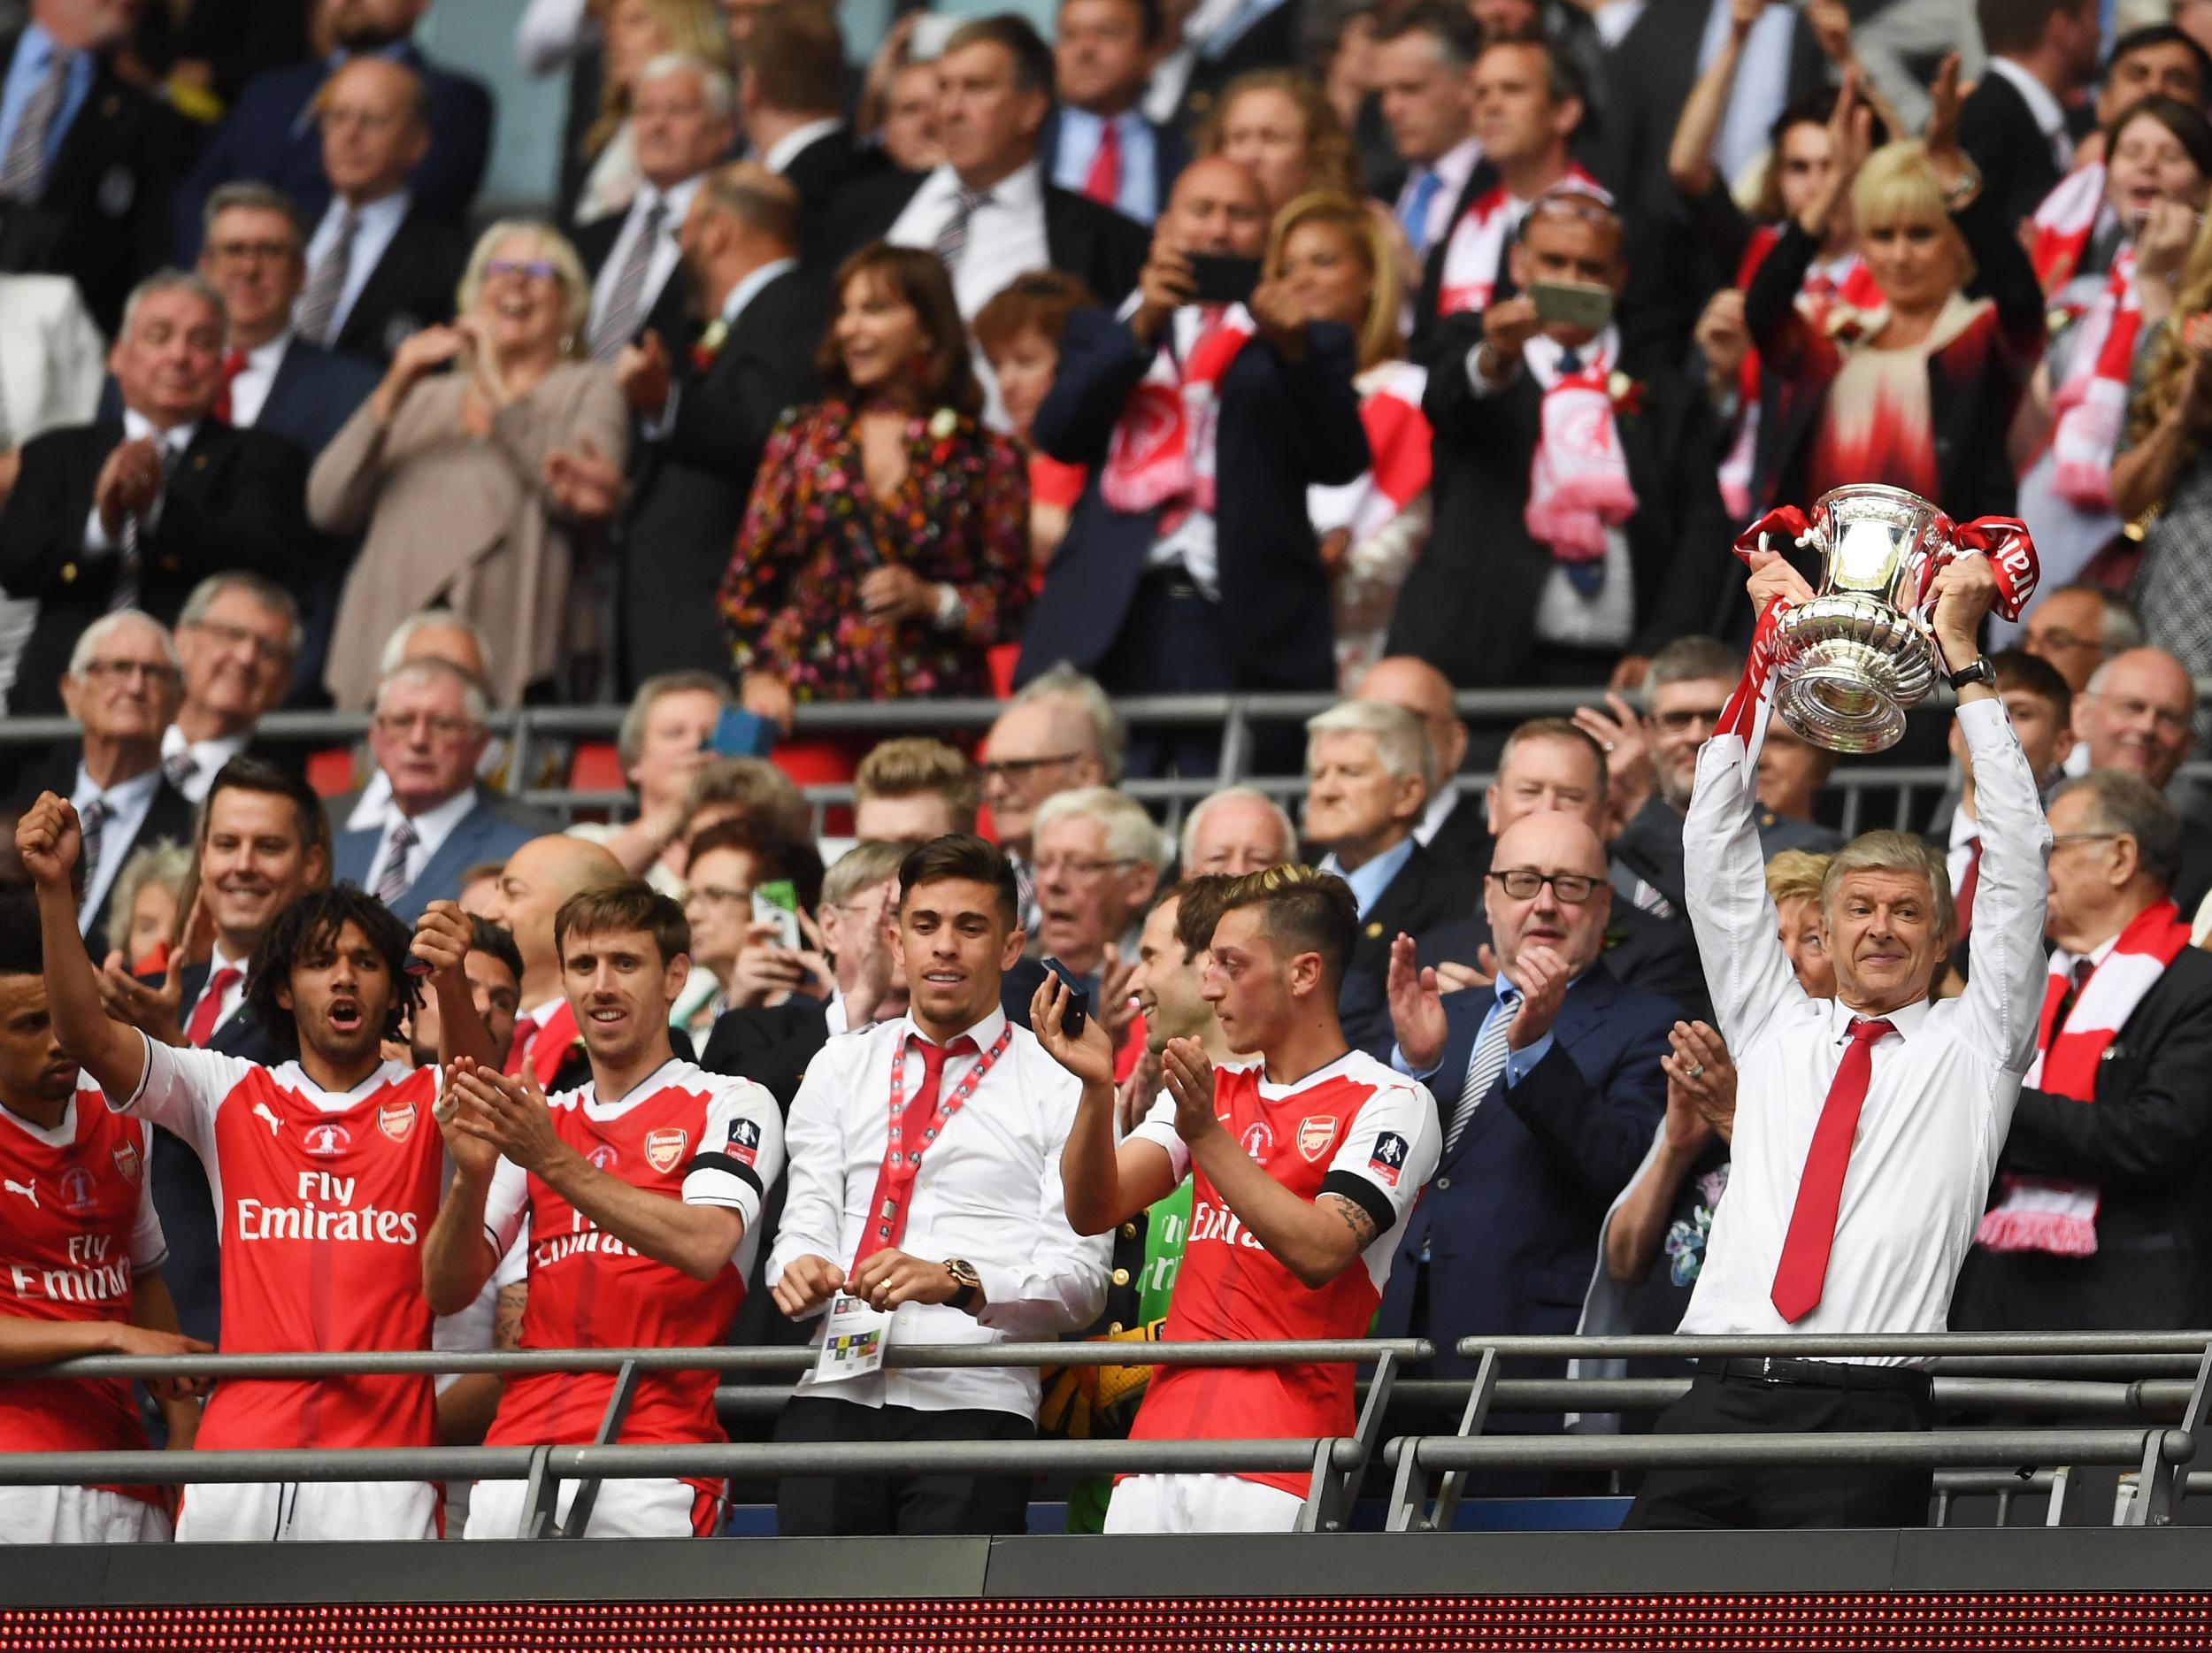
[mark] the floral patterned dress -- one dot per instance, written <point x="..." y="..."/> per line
<point x="814" y="530"/>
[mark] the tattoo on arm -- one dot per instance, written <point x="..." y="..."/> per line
<point x="1358" y="1221"/>
<point x="507" y="1315"/>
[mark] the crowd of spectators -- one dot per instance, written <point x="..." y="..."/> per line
<point x="1377" y="350"/>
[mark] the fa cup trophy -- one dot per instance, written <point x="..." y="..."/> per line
<point x="1850" y="663"/>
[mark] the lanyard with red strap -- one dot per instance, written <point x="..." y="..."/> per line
<point x="894" y="1181"/>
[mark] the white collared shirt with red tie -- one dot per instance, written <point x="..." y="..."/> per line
<point x="1940" y="1095"/>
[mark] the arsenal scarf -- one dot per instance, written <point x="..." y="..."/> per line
<point x="2065" y="224"/>
<point x="543" y="1047"/>
<point x="1577" y="479"/>
<point x="2088" y="409"/>
<point x="1161" y="451"/>
<point x="1476" y="251"/>
<point x="1398" y="436"/>
<point x="2044" y="1213"/>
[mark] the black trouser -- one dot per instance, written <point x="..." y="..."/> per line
<point x="1790" y="1396"/>
<point x="839" y="1506"/>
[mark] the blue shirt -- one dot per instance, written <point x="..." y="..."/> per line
<point x="34" y="53"/>
<point x="1370" y="880"/>
<point x="1518" y="1064"/>
<point x="1080" y="135"/>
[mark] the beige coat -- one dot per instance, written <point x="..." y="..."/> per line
<point x="465" y="523"/>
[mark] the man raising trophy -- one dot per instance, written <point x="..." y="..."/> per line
<point x="1868" y="1125"/>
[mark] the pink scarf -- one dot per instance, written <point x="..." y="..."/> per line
<point x="1578" y="482"/>
<point x="2042" y="1213"/>
<point x="1476" y="251"/>
<point x="1161" y="451"/>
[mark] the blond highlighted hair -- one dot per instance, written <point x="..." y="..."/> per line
<point x="1898" y="185"/>
<point x="1379" y="338"/>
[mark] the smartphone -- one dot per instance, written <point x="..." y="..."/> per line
<point x="1078" y="1008"/>
<point x="739" y="734"/>
<point x="1223" y="280"/>
<point x="1573" y="303"/>
<point x="777" y="902"/>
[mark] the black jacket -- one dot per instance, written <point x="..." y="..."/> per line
<point x="234" y="499"/>
<point x="1648" y="868"/>
<point x="689" y="485"/>
<point x="822" y="172"/>
<point x="1469" y="605"/>
<point x="1274" y="40"/>
<point x="1997" y="130"/>
<point x="1425" y="895"/>
<point x="411" y="288"/>
<point x="2146" y="1143"/>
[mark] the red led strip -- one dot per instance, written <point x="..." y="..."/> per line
<point x="2139" y="1621"/>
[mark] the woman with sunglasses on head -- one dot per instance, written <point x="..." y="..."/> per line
<point x="461" y="473"/>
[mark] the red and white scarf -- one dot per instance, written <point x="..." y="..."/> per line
<point x="1847" y="284"/>
<point x="1398" y="436"/>
<point x="1161" y="451"/>
<point x="2044" y="1213"/>
<point x="2088" y="409"/>
<point x="2065" y="224"/>
<point x="1578" y="481"/>
<point x="1476" y="251"/>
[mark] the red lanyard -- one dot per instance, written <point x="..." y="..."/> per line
<point x="894" y="1182"/>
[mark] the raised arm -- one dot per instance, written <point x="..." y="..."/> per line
<point x="50" y="840"/>
<point x="1100" y="1185"/>
<point x="1689" y="156"/>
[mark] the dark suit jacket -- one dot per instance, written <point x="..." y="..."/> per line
<point x="670" y="313"/>
<point x="1462" y="842"/>
<point x="1642" y="950"/>
<point x="410" y="288"/>
<point x="102" y="212"/>
<point x="1284" y="425"/>
<point x="1170" y="154"/>
<point x="1649" y="851"/>
<point x="234" y="499"/>
<point x="1424" y="896"/>
<point x="1274" y="41"/>
<point x="1511" y="1218"/>
<point x="823" y="170"/>
<point x="490" y="832"/>
<point x="171" y="816"/>
<point x="1998" y="132"/>
<point x="265" y="136"/>
<point x="1097" y="244"/>
<point x="1469" y="605"/>
<point x="314" y="393"/>
<point x="2146" y="1143"/>
<point x="689" y="486"/>
<point x="1424" y="346"/>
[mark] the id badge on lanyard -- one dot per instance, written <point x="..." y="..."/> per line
<point x="853" y="1345"/>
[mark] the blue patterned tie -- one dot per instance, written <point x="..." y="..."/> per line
<point x="1415" y="214"/>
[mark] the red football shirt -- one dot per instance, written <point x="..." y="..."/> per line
<point x="1356" y="1129"/>
<point x="706" y="1139"/>
<point x="80" y="1225"/>
<point x="325" y="1198"/>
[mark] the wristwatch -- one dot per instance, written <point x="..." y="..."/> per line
<point x="966" y="1280"/>
<point x="1978" y="670"/>
<point x="1961" y="194"/>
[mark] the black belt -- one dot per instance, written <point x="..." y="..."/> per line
<point x="1823" y="1374"/>
<point x="1174" y="582"/>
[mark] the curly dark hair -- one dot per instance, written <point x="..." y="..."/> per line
<point x="312" y="921"/>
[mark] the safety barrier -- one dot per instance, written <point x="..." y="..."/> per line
<point x="2140" y="1382"/>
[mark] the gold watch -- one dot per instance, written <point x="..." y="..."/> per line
<point x="967" y="1283"/>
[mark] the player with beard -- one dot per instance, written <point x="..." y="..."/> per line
<point x="642" y="1193"/>
<point x="1303" y="1168"/>
<point x="325" y="1170"/>
<point x="80" y="1256"/>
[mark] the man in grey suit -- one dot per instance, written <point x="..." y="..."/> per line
<point x="427" y="736"/>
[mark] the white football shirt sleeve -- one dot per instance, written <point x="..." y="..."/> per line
<point x="1159" y="1126"/>
<point x="180" y="1090"/>
<point x="506" y="1205"/>
<point x="741" y="1154"/>
<point x="149" y="1247"/>
<point x="1388" y="1154"/>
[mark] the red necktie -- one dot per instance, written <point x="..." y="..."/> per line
<point x="1104" y="185"/>
<point x="1799" y="1276"/>
<point x="1970" y="881"/>
<point x="894" y="1182"/>
<point x="210" y="1007"/>
<point x="233" y="364"/>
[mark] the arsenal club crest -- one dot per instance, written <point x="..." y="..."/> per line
<point x="1315" y="1137"/>
<point x="127" y="1161"/>
<point x="326" y="1139"/>
<point x="664" y="1147"/>
<point x="396" y="1121"/>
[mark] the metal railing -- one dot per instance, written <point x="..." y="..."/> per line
<point x="2160" y="1381"/>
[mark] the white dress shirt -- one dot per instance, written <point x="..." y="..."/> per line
<point x="250" y="391"/>
<point x="675" y="202"/>
<point x="1943" y="1085"/>
<point x="379" y="221"/>
<point x="136" y="428"/>
<point x="127" y="803"/>
<point x="1006" y="234"/>
<point x="988" y="1192"/>
<point x="432" y="827"/>
<point x="208" y="756"/>
<point x="1194" y="544"/>
<point x="2050" y="114"/>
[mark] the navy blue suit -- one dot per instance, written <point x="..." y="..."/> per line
<point x="1282" y="425"/>
<point x="268" y="135"/>
<point x="494" y="830"/>
<point x="1511" y="1219"/>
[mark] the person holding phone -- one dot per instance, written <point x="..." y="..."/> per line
<point x="1190" y="563"/>
<point x="1576" y="511"/>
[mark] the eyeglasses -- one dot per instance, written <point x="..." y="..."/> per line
<point x="1080" y="866"/>
<point x="1684" y="719"/>
<point x="1021" y="768"/>
<point x="2085" y="837"/>
<point x="230" y="636"/>
<point x="1523" y="882"/>
<point x="717" y="895"/>
<point x="247" y="252"/>
<point x="534" y="269"/>
<point x="152" y="671"/>
<point x="368" y="120"/>
<point x="441" y="726"/>
<point x="2056" y="638"/>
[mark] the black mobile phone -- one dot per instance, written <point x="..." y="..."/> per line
<point x="1079" y="999"/>
<point x="1222" y="278"/>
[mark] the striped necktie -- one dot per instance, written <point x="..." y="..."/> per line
<point x="23" y="168"/>
<point x="315" y="316"/>
<point x="1483" y="1071"/>
<point x="625" y="300"/>
<point x="134" y="559"/>
<point x="952" y="240"/>
<point x="391" y="882"/>
<point x="92" y="822"/>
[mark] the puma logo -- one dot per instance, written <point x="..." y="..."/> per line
<point x="261" y="1110"/>
<point x="28" y="1190"/>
